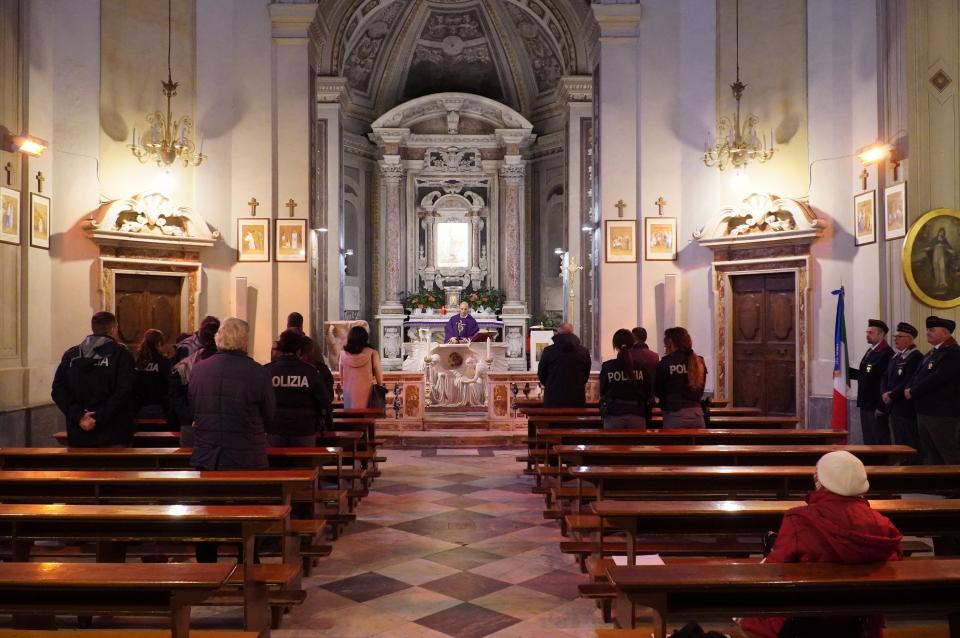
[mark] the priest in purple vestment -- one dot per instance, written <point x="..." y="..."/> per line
<point x="461" y="327"/>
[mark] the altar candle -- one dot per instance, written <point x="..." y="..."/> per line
<point x="488" y="349"/>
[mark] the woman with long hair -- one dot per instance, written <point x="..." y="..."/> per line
<point x="624" y="387"/>
<point x="680" y="380"/>
<point x="359" y="365"/>
<point x="151" y="372"/>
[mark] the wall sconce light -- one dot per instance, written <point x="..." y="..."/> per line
<point x="28" y="145"/>
<point x="873" y="154"/>
<point x="322" y="229"/>
<point x="558" y="251"/>
<point x="348" y="252"/>
<point x="587" y="228"/>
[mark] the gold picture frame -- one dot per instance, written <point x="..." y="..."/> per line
<point x="660" y="239"/>
<point x="895" y="211"/>
<point x="620" y="241"/>
<point x="865" y="218"/>
<point x="39" y="221"/>
<point x="253" y="239"/>
<point x="931" y="255"/>
<point x="9" y="215"/>
<point x="290" y="240"/>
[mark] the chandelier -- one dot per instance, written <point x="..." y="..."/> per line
<point x="738" y="143"/>
<point x="168" y="140"/>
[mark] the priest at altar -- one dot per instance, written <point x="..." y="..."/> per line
<point x="461" y="327"/>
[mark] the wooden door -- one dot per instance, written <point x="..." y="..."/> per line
<point x="148" y="301"/>
<point x="764" y="342"/>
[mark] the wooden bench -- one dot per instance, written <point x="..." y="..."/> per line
<point x="594" y="409"/>
<point x="110" y="589"/>
<point x="705" y="591"/>
<point x="927" y="517"/>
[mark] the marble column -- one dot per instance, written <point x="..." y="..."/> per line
<point x="514" y="313"/>
<point x="391" y="314"/>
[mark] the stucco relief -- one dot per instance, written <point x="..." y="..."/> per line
<point x="547" y="68"/>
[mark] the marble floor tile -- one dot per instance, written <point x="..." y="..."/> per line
<point x="364" y="587"/>
<point x="462" y="502"/>
<point x="519" y="602"/>
<point x="460" y="488"/>
<point x="418" y="571"/>
<point x="460" y="526"/>
<point x="465" y="585"/>
<point x="413" y="603"/>
<point x="512" y="570"/>
<point x="562" y="584"/>
<point x="494" y="509"/>
<point x="467" y="621"/>
<point x="463" y="558"/>
<point x="461" y="477"/>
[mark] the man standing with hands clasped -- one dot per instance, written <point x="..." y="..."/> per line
<point x="903" y="418"/>
<point x="873" y="366"/>
<point x="934" y="391"/>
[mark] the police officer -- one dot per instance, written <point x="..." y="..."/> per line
<point x="873" y="365"/>
<point x="903" y="418"/>
<point x="303" y="398"/>
<point x="93" y="387"/>
<point x="934" y="390"/>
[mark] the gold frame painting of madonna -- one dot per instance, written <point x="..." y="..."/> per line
<point x="931" y="258"/>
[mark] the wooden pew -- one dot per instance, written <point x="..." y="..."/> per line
<point x="594" y="410"/>
<point x="111" y="527"/>
<point x="693" y="482"/>
<point x="722" y="590"/>
<point x="754" y="518"/>
<point x="524" y="403"/>
<point x="111" y="589"/>
<point x="695" y="436"/>
<point x="724" y="454"/>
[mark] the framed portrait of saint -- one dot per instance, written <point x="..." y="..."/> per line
<point x="895" y="211"/>
<point x="865" y="218"/>
<point x="621" y="241"/>
<point x="9" y="215"/>
<point x="289" y="237"/>
<point x="253" y="239"/>
<point x="39" y="221"/>
<point x="661" y="239"/>
<point x="931" y="258"/>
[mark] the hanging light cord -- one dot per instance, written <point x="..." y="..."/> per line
<point x="738" y="40"/>
<point x="170" y="37"/>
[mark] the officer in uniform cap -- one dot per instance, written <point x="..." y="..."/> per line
<point x="873" y="365"/>
<point x="903" y="418"/>
<point x="934" y="391"/>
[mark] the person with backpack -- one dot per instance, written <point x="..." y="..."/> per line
<point x="178" y="402"/>
<point x="93" y="387"/>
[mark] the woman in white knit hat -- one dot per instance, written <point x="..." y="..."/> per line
<point x="837" y="525"/>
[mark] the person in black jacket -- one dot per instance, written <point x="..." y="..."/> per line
<point x="151" y="375"/>
<point x="903" y="418"/>
<point x="679" y="382"/>
<point x="934" y="391"/>
<point x="564" y="370"/>
<point x="233" y="404"/>
<point x="624" y="387"/>
<point x="93" y="387"/>
<point x="180" y="414"/>
<point x="191" y="343"/>
<point x="303" y="399"/>
<point x="873" y="366"/>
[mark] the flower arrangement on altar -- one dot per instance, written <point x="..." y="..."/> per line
<point x="422" y="300"/>
<point x="485" y="298"/>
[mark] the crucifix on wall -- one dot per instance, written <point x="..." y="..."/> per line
<point x="291" y="205"/>
<point x="620" y="205"/>
<point x="253" y="203"/>
<point x="660" y="203"/>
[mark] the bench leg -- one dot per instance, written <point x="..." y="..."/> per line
<point x="626" y="614"/>
<point x="954" y="620"/>
<point x="180" y="621"/>
<point x="256" y="608"/>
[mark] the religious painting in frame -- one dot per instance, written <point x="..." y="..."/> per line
<point x="931" y="258"/>
<point x="39" y="221"/>
<point x="253" y="239"/>
<point x="661" y="239"/>
<point x="621" y="241"/>
<point x="865" y="218"/>
<point x="290" y="234"/>
<point x="9" y="215"/>
<point x="895" y="211"/>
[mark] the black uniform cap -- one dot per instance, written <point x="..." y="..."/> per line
<point x="934" y="321"/>
<point x="903" y="326"/>
<point x="876" y="323"/>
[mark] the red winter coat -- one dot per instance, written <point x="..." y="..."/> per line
<point x="831" y="529"/>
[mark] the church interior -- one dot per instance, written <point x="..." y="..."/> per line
<point x="496" y="192"/>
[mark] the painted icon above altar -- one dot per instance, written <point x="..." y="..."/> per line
<point x="453" y="244"/>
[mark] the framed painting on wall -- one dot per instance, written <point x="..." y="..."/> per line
<point x="621" y="241"/>
<point x="930" y="258"/>
<point x="253" y="239"/>
<point x="865" y="218"/>
<point x="290" y="234"/>
<point x="661" y="238"/>
<point x="895" y="211"/>
<point x="9" y="215"/>
<point x="39" y="221"/>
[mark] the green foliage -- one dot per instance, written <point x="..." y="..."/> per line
<point x="484" y="298"/>
<point x="423" y="299"/>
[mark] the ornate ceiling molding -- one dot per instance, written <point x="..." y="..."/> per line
<point x="500" y="116"/>
<point x="762" y="219"/>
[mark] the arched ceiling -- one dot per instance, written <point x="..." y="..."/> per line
<point x="512" y="51"/>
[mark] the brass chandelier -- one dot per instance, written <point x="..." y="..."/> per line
<point x="737" y="144"/>
<point x="168" y="140"/>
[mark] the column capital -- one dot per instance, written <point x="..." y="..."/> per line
<point x="513" y="168"/>
<point x="618" y="20"/>
<point x="290" y="22"/>
<point x="575" y="88"/>
<point x="391" y="169"/>
<point x="330" y="88"/>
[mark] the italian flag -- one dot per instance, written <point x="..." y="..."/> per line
<point x="838" y="413"/>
